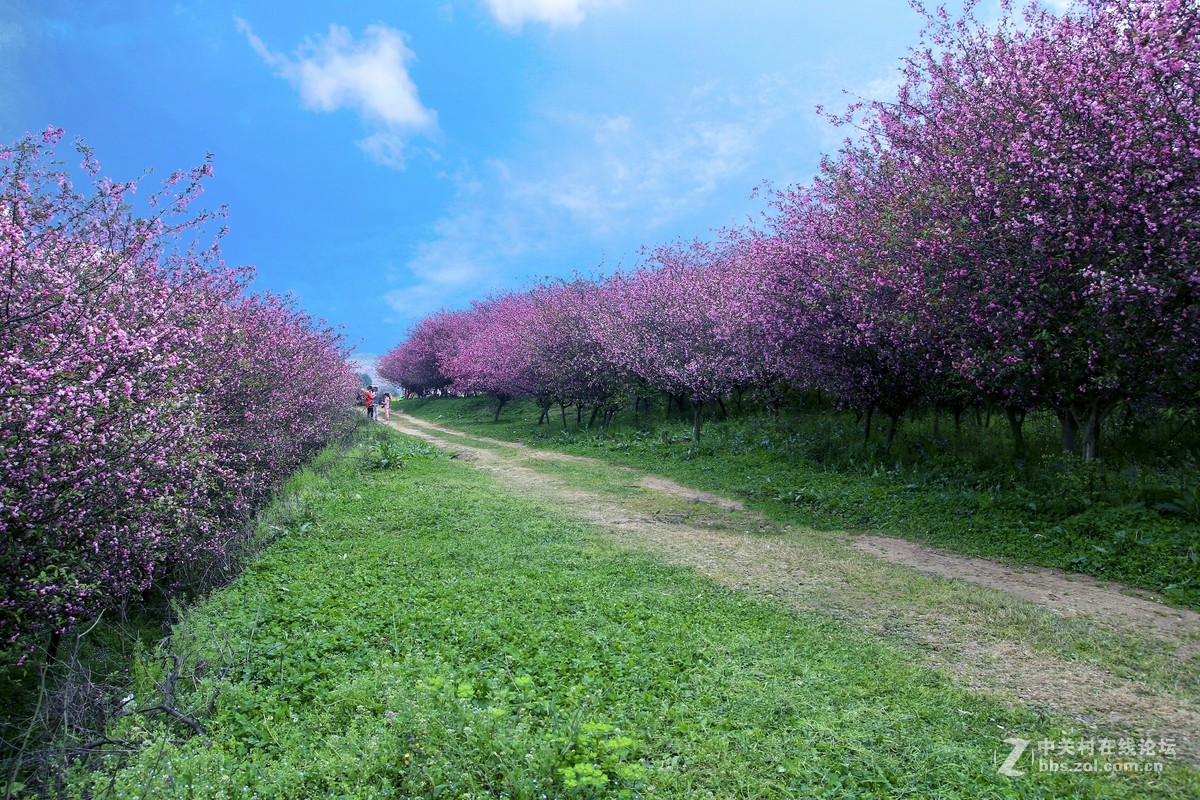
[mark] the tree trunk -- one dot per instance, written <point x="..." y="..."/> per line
<point x="545" y="414"/>
<point x="893" y="423"/>
<point x="1016" y="419"/>
<point x="564" y="415"/>
<point x="1091" y="437"/>
<point x="958" y="412"/>
<point x="724" y="411"/>
<point x="870" y="412"/>
<point x="696" y="422"/>
<point x="595" y="412"/>
<point x="52" y="650"/>
<point x="1070" y="429"/>
<point x="500" y="403"/>
<point x="1089" y="421"/>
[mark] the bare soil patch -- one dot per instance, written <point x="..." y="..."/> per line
<point x="679" y="490"/>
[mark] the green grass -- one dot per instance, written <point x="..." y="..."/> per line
<point x="416" y="632"/>
<point x="1124" y="519"/>
<point x="868" y="593"/>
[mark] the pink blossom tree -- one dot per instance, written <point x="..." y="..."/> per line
<point x="683" y="324"/>
<point x="491" y="354"/>
<point x="415" y="364"/>
<point x="847" y="295"/>
<point x="568" y="362"/>
<point x="1060" y="156"/>
<point x="124" y="446"/>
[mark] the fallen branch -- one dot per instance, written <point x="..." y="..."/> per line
<point x="196" y="727"/>
<point x="97" y="743"/>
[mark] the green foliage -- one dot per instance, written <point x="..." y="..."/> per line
<point x="385" y="451"/>
<point x="430" y="636"/>
<point x="1184" y="503"/>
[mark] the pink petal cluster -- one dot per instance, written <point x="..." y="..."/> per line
<point x="147" y="402"/>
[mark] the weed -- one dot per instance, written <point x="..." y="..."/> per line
<point x="1184" y="503"/>
<point x="383" y="451"/>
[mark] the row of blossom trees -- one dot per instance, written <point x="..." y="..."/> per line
<point x="147" y="403"/>
<point x="1021" y="227"/>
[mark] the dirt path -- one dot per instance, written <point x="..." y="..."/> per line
<point x="1035" y="636"/>
<point x="1067" y="594"/>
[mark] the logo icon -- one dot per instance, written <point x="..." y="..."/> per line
<point x="1019" y="746"/>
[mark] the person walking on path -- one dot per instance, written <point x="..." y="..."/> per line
<point x="370" y="401"/>
<point x="386" y="403"/>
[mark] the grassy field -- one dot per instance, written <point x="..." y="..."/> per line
<point x="1133" y="519"/>
<point x="416" y="632"/>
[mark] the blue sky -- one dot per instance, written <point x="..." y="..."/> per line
<point x="384" y="159"/>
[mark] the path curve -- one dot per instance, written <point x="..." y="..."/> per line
<point x="801" y="572"/>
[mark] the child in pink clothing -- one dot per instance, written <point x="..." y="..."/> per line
<point x="386" y="402"/>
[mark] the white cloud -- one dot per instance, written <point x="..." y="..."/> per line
<point x="461" y="261"/>
<point x="641" y="177"/>
<point x="384" y="147"/>
<point x="513" y="14"/>
<point x="369" y="76"/>
<point x="602" y="185"/>
<point x="369" y="363"/>
<point x="648" y="172"/>
<point x="882" y="87"/>
<point x="364" y="362"/>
